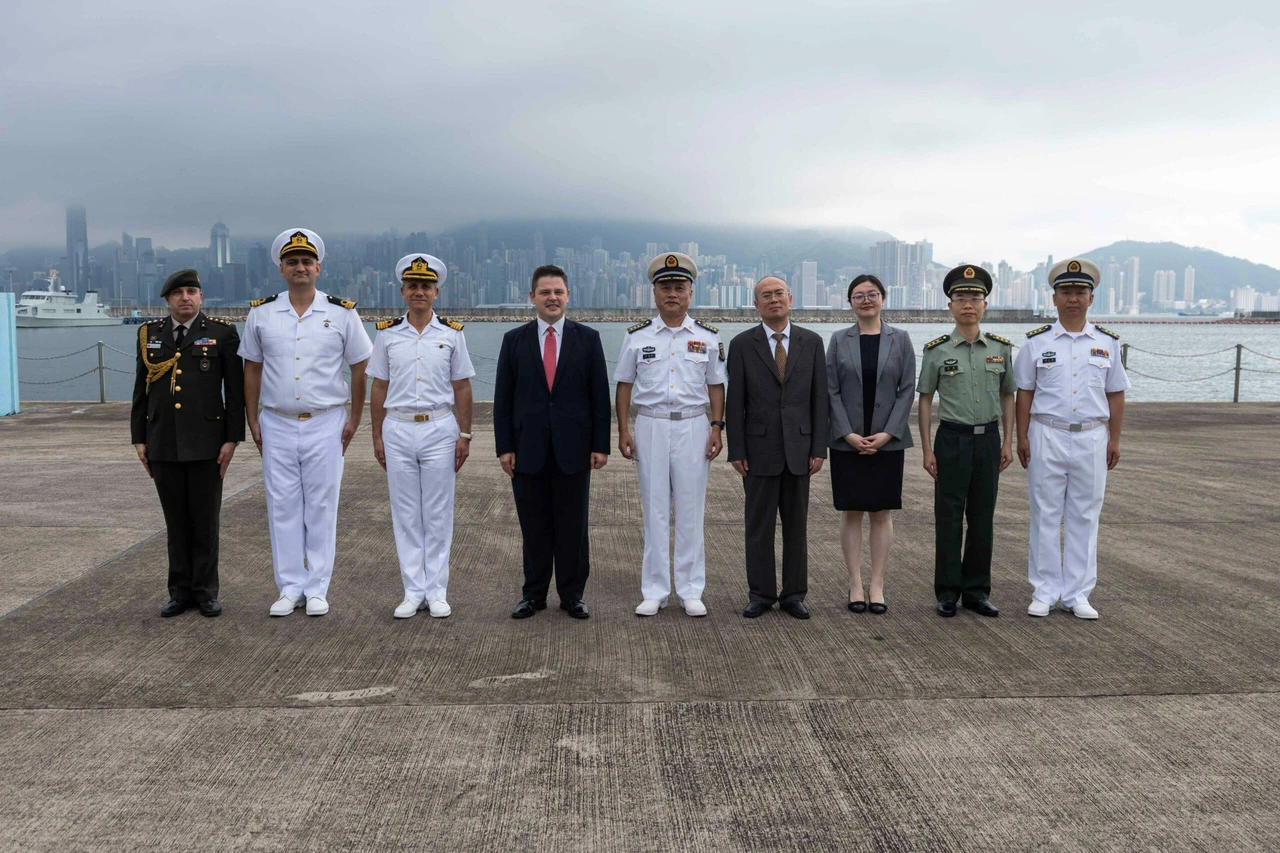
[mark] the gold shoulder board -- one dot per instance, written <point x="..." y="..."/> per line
<point x="264" y="300"/>
<point x="1039" y="331"/>
<point x="1106" y="331"/>
<point x="998" y="339"/>
<point x="712" y="329"/>
<point x="452" y="324"/>
<point x="937" y="342"/>
<point x="345" y="303"/>
<point x="638" y="326"/>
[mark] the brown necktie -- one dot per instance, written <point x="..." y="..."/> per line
<point x="780" y="356"/>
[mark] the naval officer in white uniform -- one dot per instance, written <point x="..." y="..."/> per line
<point x="421" y="409"/>
<point x="295" y="345"/>
<point x="672" y="368"/>
<point x="1070" y="409"/>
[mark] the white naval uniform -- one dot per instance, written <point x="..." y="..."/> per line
<point x="1071" y="374"/>
<point x="670" y="370"/>
<point x="302" y="359"/>
<point x="419" y="369"/>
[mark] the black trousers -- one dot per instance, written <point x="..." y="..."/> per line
<point x="191" y="497"/>
<point x="785" y="495"/>
<point x="552" y="507"/>
<point x="968" y="475"/>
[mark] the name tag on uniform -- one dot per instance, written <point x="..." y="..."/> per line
<point x="1049" y="357"/>
<point x="154" y="344"/>
<point x="995" y="359"/>
<point x="698" y="346"/>
<point x="1099" y="353"/>
<point x="205" y="342"/>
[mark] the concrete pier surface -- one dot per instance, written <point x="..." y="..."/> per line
<point x="1157" y="726"/>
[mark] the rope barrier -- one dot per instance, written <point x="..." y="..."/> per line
<point x="1263" y="354"/>
<point x="1132" y="348"/>
<point x="59" y="381"/>
<point x="1166" y="379"/>
<point x="55" y="357"/>
<point x="1256" y="370"/>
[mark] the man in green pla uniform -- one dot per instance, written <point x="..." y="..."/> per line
<point x="973" y="375"/>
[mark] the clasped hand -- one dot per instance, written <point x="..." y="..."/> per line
<point x="867" y="445"/>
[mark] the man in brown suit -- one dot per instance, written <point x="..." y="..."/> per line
<point x="776" y="410"/>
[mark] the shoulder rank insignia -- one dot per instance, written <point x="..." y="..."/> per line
<point x="452" y="324"/>
<point x="937" y="342"/>
<point x="1106" y="331"/>
<point x="998" y="339"/>
<point x="1039" y="331"/>
<point x="638" y="326"/>
<point x="264" y="300"/>
<point x="722" y="350"/>
<point x="712" y="329"/>
<point x="387" y="324"/>
<point x="345" y="303"/>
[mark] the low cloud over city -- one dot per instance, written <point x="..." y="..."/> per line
<point x="995" y="131"/>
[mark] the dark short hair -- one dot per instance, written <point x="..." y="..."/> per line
<point x="865" y="277"/>
<point x="547" y="270"/>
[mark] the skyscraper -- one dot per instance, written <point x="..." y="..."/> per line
<point x="1189" y="285"/>
<point x="1131" y="292"/>
<point x="76" y="275"/>
<point x="804" y="284"/>
<point x="219" y="246"/>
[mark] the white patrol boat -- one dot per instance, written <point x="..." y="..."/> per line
<point x="54" y="306"/>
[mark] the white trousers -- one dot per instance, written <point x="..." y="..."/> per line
<point x="420" y="477"/>
<point x="302" y="470"/>
<point x="1066" y="479"/>
<point x="671" y="459"/>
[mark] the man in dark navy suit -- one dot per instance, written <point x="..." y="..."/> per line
<point x="551" y="425"/>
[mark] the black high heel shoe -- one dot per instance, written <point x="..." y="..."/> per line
<point x="878" y="607"/>
<point x="857" y="606"/>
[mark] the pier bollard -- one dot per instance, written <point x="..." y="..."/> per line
<point x="1235" y="397"/>
<point x="102" y="374"/>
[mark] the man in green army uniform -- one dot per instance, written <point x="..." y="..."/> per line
<point x="973" y="375"/>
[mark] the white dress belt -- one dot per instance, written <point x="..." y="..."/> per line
<point x="1068" y="425"/>
<point x="673" y="414"/>
<point x="300" y="416"/>
<point x="419" y="417"/>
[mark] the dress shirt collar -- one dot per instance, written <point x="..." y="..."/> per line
<point x="687" y="325"/>
<point x="769" y="333"/>
<point x="1058" y="330"/>
<point x="407" y="327"/>
<point x="957" y="338"/>
<point x="543" y="325"/>
<point x="319" y="303"/>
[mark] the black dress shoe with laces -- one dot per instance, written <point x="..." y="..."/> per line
<point x="576" y="609"/>
<point x="174" y="607"/>
<point x="754" y="609"/>
<point x="527" y="607"/>
<point x="946" y="607"/>
<point x="210" y="608"/>
<point x="794" y="608"/>
<point x="983" y="607"/>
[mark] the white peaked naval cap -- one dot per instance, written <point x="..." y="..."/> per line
<point x="297" y="240"/>
<point x="422" y="267"/>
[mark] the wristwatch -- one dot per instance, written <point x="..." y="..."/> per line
<point x="720" y="424"/>
<point x="465" y="435"/>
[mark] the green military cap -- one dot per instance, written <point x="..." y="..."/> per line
<point x="1075" y="271"/>
<point x="967" y="278"/>
<point x="673" y="265"/>
<point x="182" y="278"/>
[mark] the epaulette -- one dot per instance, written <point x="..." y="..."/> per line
<point x="219" y="321"/>
<point x="712" y="329"/>
<point x="345" y="303"/>
<point x="937" y="342"/>
<point x="387" y="324"/>
<point x="638" y="326"/>
<point x="998" y="339"/>
<point x="1106" y="331"/>
<point x="264" y="300"/>
<point x="452" y="324"/>
<point x="1039" y="331"/>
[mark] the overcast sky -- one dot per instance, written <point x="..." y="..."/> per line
<point x="997" y="130"/>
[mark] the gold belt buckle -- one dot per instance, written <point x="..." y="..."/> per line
<point x="421" y="417"/>
<point x="305" y="416"/>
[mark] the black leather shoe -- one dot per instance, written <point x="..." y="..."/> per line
<point x="576" y="609"/>
<point x="857" y="607"/>
<point x="879" y="608"/>
<point x="527" y="607"/>
<point x="795" y="608"/>
<point x="983" y="607"/>
<point x="754" y="609"/>
<point x="210" y="608"/>
<point x="174" y="607"/>
<point x="946" y="607"/>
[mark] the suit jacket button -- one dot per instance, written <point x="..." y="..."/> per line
<point x="177" y="405"/>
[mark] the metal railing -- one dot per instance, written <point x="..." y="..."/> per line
<point x="1239" y="368"/>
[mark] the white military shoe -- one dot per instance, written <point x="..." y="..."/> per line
<point x="317" y="606"/>
<point x="285" y="605"/>
<point x="409" y="607"/>
<point x="695" y="607"/>
<point x="1084" y="610"/>
<point x="650" y="607"/>
<point x="1039" y="608"/>
<point x="440" y="609"/>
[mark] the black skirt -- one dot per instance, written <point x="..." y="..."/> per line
<point x="867" y="483"/>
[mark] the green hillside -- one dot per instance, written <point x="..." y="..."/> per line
<point x="1216" y="274"/>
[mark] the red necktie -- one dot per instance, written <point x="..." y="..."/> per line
<point x="549" y="357"/>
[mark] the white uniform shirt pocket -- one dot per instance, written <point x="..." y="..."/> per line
<point x="1099" y="367"/>
<point x="650" y="371"/>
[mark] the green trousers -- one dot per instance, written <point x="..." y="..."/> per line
<point x="968" y="475"/>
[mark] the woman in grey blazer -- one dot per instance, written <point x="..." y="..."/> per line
<point x="871" y="380"/>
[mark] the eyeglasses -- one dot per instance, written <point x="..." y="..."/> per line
<point x="968" y="300"/>
<point x="865" y="297"/>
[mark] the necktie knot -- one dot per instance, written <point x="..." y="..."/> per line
<point x="777" y="336"/>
